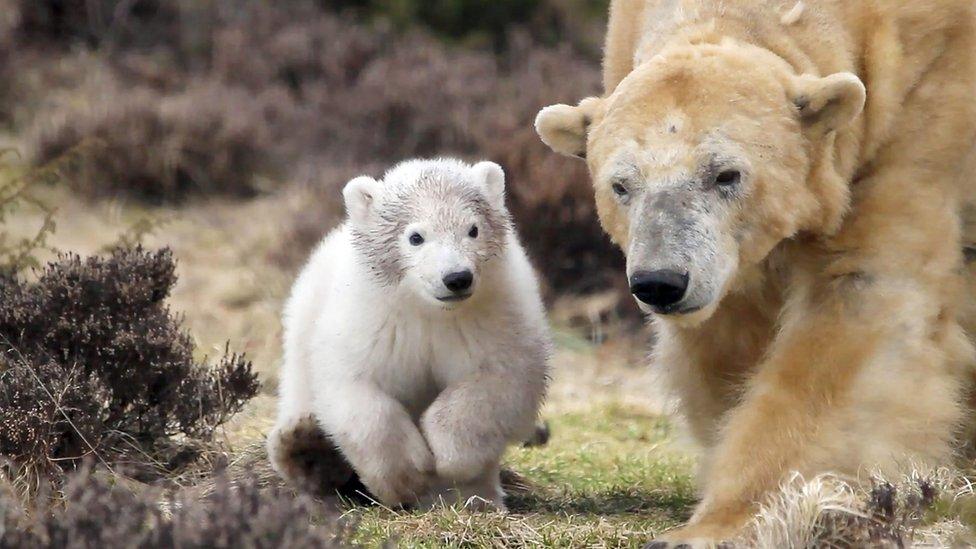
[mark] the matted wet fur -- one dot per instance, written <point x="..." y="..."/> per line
<point x="313" y="463"/>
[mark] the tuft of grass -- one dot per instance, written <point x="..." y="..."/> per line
<point x="921" y="508"/>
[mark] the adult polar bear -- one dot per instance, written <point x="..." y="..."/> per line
<point x="788" y="179"/>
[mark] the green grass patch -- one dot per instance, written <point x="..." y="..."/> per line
<point x="606" y="479"/>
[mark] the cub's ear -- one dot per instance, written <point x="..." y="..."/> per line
<point x="564" y="128"/>
<point x="829" y="103"/>
<point x="491" y="177"/>
<point x="360" y="196"/>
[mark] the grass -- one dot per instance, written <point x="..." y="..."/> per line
<point x="607" y="478"/>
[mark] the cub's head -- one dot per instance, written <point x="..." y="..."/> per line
<point x="430" y="227"/>
<point x="703" y="160"/>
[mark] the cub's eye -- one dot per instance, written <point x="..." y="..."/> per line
<point x="473" y="233"/>
<point x="728" y="178"/>
<point x="416" y="239"/>
<point x="619" y="190"/>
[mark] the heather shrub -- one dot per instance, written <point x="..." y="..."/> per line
<point x="491" y="21"/>
<point x="95" y="22"/>
<point x="93" y="363"/>
<point x="417" y="99"/>
<point x="146" y="24"/>
<point x="293" y="46"/>
<point x="207" y="140"/>
<point x="472" y="19"/>
<point x="96" y="512"/>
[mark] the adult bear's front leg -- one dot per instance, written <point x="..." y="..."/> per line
<point x="864" y="374"/>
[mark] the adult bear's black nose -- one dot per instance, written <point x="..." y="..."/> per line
<point x="659" y="289"/>
<point x="459" y="281"/>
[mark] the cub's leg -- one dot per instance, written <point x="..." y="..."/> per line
<point x="378" y="436"/>
<point x="471" y="422"/>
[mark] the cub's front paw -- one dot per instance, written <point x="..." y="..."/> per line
<point x="398" y="485"/>
<point x="484" y="494"/>
<point x="455" y="460"/>
<point x="404" y="476"/>
<point x="418" y="452"/>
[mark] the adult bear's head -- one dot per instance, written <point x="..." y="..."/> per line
<point x="703" y="160"/>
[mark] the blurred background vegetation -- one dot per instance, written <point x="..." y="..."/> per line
<point x="171" y="100"/>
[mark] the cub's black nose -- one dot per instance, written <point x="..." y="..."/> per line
<point x="459" y="281"/>
<point x="659" y="289"/>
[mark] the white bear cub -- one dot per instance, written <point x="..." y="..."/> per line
<point x="416" y="337"/>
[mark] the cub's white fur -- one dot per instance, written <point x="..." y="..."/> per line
<point x="421" y="395"/>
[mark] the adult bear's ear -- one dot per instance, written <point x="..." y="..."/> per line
<point x="829" y="103"/>
<point x="491" y="177"/>
<point x="564" y="127"/>
<point x="360" y="196"/>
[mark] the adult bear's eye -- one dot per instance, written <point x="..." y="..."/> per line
<point x="728" y="178"/>
<point x="416" y="239"/>
<point x="473" y="233"/>
<point x="619" y="190"/>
